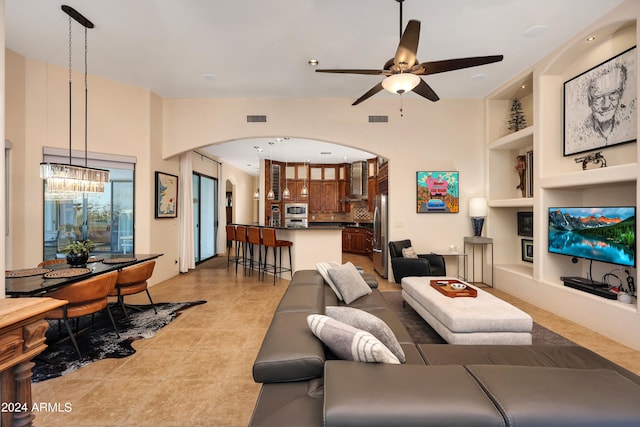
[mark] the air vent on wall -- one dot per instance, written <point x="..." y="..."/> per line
<point x="378" y="119"/>
<point x="256" y="119"/>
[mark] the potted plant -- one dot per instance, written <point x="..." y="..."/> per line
<point x="78" y="252"/>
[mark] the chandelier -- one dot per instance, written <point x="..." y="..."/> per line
<point x="67" y="180"/>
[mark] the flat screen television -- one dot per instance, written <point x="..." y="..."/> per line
<point x="605" y="234"/>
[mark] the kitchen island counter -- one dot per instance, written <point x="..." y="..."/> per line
<point x="310" y="245"/>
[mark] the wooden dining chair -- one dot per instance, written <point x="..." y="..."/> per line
<point x="133" y="280"/>
<point x="83" y="298"/>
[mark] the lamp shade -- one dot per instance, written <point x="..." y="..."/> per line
<point x="400" y="83"/>
<point x="477" y="207"/>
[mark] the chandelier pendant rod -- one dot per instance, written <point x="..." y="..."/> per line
<point x="86" y="99"/>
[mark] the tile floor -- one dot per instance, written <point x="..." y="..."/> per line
<point x="197" y="370"/>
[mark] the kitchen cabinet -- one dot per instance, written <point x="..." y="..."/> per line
<point x="354" y="240"/>
<point x="372" y="182"/>
<point x="323" y="196"/>
<point x="315" y="197"/>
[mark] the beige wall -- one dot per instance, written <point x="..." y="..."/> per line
<point x="446" y="135"/>
<point x="133" y="121"/>
<point x="122" y="120"/>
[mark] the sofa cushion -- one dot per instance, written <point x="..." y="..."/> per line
<point x="366" y="395"/>
<point x="349" y="282"/>
<point x="289" y="351"/>
<point x="323" y="268"/>
<point x="409" y="252"/>
<point x="349" y="343"/>
<point x="531" y="396"/>
<point x="369" y="323"/>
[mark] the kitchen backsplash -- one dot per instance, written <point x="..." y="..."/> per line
<point x="359" y="213"/>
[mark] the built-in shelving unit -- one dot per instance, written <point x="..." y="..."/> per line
<point x="505" y="199"/>
<point x="557" y="181"/>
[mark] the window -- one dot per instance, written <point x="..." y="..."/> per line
<point x="105" y="218"/>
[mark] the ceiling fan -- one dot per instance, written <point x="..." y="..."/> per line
<point x="403" y="71"/>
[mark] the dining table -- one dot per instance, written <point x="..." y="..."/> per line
<point x="30" y="282"/>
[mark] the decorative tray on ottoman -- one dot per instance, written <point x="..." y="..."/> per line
<point x="448" y="287"/>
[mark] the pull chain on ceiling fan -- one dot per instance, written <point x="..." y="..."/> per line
<point x="403" y="71"/>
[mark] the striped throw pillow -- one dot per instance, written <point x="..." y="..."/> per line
<point x="349" y="343"/>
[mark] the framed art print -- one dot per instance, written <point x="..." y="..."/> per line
<point x="525" y="224"/>
<point x="166" y="195"/>
<point x="437" y="192"/>
<point x="600" y="105"/>
<point x="527" y="250"/>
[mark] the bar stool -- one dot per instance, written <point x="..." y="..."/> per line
<point x="241" y="242"/>
<point x="270" y="241"/>
<point x="231" y="237"/>
<point x="255" y="239"/>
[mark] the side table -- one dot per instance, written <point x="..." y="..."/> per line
<point x="475" y="241"/>
<point x="460" y="256"/>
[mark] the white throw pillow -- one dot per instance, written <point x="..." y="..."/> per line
<point x="349" y="343"/>
<point x="369" y="323"/>
<point x="409" y="252"/>
<point x="349" y="282"/>
<point x="323" y="268"/>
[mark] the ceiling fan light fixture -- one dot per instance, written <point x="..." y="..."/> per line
<point x="400" y="83"/>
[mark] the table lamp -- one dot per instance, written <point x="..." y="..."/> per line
<point x="477" y="212"/>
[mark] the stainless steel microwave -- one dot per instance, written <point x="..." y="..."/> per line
<point x="296" y="210"/>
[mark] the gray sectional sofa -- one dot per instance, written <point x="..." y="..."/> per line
<point x="304" y="385"/>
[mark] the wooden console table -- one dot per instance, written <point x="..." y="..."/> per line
<point x="22" y="329"/>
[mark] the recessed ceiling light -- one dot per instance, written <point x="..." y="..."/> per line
<point x="590" y="39"/>
<point x="209" y="77"/>
<point x="535" y="31"/>
<point x="313" y="62"/>
<point x="478" y="76"/>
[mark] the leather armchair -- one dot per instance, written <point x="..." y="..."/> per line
<point x="424" y="265"/>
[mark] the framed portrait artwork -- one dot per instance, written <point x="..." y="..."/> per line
<point x="600" y="105"/>
<point x="525" y="224"/>
<point x="166" y="195"/>
<point x="527" y="250"/>
<point x="437" y="192"/>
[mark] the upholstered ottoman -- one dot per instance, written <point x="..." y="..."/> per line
<point x="484" y="319"/>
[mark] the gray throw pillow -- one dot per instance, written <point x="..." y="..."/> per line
<point x="409" y="252"/>
<point x="368" y="322"/>
<point x="349" y="282"/>
<point x="323" y="268"/>
<point x="349" y="343"/>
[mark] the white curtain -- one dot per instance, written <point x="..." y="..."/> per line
<point x="187" y="257"/>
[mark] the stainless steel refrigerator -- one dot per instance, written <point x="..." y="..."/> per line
<point x="380" y="236"/>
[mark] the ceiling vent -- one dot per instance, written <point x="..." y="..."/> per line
<point x="378" y="119"/>
<point x="256" y="119"/>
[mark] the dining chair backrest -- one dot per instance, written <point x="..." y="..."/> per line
<point x="133" y="279"/>
<point x="52" y="262"/>
<point x="86" y="296"/>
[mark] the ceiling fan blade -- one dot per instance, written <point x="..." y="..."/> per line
<point x="405" y="56"/>
<point x="454" y="64"/>
<point x="377" y="88"/>
<point x="423" y="89"/>
<point x="370" y="72"/>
